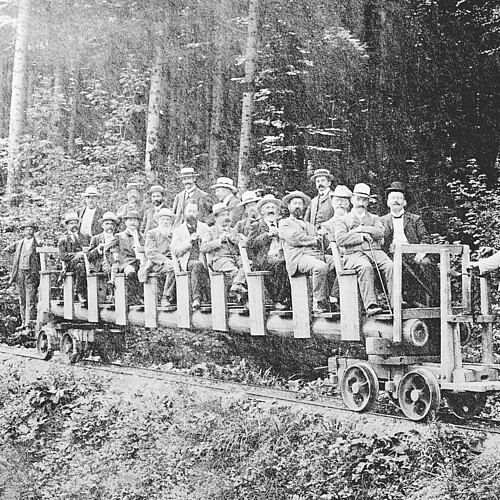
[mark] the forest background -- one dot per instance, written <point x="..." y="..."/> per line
<point x="373" y="90"/>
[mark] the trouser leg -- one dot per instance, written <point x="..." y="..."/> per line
<point x="366" y="277"/>
<point x="386" y="267"/>
<point x="169" y="289"/>
<point x="31" y="286"/>
<point x="21" y="291"/>
<point x="277" y="283"/>
<point x="319" y="272"/>
<point x="199" y="280"/>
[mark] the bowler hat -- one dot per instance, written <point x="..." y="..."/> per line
<point x="321" y="172"/>
<point x="268" y="198"/>
<point x="396" y="187"/>
<point x="164" y="212"/>
<point x="341" y="192"/>
<point x="248" y="197"/>
<point x="91" y="191"/>
<point x="27" y="223"/>
<point x="219" y="207"/>
<point x="225" y="182"/>
<point x="132" y="214"/>
<point x="296" y="194"/>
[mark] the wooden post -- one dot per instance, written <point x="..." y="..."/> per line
<point x="350" y="328"/>
<point x="487" y="333"/>
<point x="447" y="328"/>
<point x="219" y="302"/>
<point x="92" y="298"/>
<point x="466" y="280"/>
<point x="301" y="305"/>
<point x="68" y="297"/>
<point x="43" y="297"/>
<point x="120" y="299"/>
<point x="397" y="335"/>
<point x="257" y="302"/>
<point x="151" y="301"/>
<point x="184" y="299"/>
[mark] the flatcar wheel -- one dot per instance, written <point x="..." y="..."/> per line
<point x="466" y="404"/>
<point x="419" y="394"/>
<point x="359" y="387"/>
<point x="44" y="345"/>
<point x="68" y="348"/>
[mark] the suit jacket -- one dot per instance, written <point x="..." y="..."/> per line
<point x="237" y="213"/>
<point x="96" y="221"/>
<point x="69" y="248"/>
<point x="148" y="220"/>
<point x="96" y="258"/>
<point x="320" y="210"/>
<point x="259" y="242"/>
<point x="34" y="259"/>
<point x="124" y="247"/>
<point x="181" y="242"/>
<point x="157" y="246"/>
<point x="298" y="238"/>
<point x="199" y="196"/>
<point x="414" y="229"/>
<point x="351" y="240"/>
<point x="210" y="244"/>
<point x="245" y="226"/>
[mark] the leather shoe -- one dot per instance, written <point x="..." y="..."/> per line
<point x="165" y="303"/>
<point x="279" y="306"/>
<point x="373" y="309"/>
<point x="238" y="288"/>
<point x="196" y="304"/>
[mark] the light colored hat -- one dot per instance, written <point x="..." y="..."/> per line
<point x="225" y="182"/>
<point x="132" y="185"/>
<point x="90" y="191"/>
<point x="268" y="198"/>
<point x="248" y="197"/>
<point x="27" y="223"/>
<point x="132" y="214"/>
<point x="156" y="189"/>
<point x="296" y="194"/>
<point x="109" y="216"/>
<point x="341" y="191"/>
<point x="362" y="190"/>
<point x="187" y="172"/>
<point x="71" y="216"/>
<point x="321" y="172"/>
<point x="164" y="212"/>
<point x="219" y="207"/>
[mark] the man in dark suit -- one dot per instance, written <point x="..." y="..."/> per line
<point x="320" y="210"/>
<point x="71" y="254"/>
<point x="149" y="219"/>
<point x="359" y="236"/>
<point x="90" y="214"/>
<point x="191" y="193"/>
<point x="404" y="227"/>
<point x="304" y="249"/>
<point x="225" y="192"/>
<point x="265" y="248"/>
<point x="25" y="272"/>
<point x="99" y="254"/>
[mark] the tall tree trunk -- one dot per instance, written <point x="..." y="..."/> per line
<point x="57" y="103"/>
<point x="247" y="107"/>
<point x="154" y="107"/>
<point x="74" y="93"/>
<point x="217" y="107"/>
<point x="18" y="99"/>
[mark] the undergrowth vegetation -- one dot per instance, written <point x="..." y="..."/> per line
<point x="65" y="437"/>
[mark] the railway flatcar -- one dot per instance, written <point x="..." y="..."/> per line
<point x="414" y="354"/>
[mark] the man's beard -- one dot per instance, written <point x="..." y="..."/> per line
<point x="297" y="213"/>
<point x="157" y="203"/>
<point x="191" y="219"/>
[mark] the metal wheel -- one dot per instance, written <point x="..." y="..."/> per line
<point x="44" y="345"/>
<point x="359" y="387"/>
<point x="419" y="394"/>
<point x="69" y="349"/>
<point x="466" y="404"/>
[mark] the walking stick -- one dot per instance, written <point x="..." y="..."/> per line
<point x="380" y="277"/>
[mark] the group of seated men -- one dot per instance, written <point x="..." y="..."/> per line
<point x="200" y="235"/>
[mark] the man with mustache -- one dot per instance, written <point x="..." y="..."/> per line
<point x="359" y="237"/>
<point x="186" y="241"/>
<point x="304" y="249"/>
<point x="249" y="200"/>
<point x="320" y="210"/>
<point x="134" y="202"/>
<point x="220" y="244"/>
<point x="403" y="227"/>
<point x="71" y="254"/>
<point x="149" y="219"/>
<point x="90" y="214"/>
<point x="265" y="247"/>
<point x="191" y="194"/>
<point x="225" y="192"/>
<point x="99" y="253"/>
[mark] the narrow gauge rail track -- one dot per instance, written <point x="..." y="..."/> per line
<point x="329" y="405"/>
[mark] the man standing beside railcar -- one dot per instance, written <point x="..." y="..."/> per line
<point x="25" y="272"/>
<point x="304" y="249"/>
<point x="320" y="210"/>
<point x="359" y="235"/>
<point x="90" y="214"/>
<point x="191" y="194"/>
<point x="265" y="246"/>
<point x="402" y="227"/>
<point x="186" y="242"/>
<point x="71" y="254"/>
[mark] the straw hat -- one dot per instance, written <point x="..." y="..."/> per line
<point x="132" y="185"/>
<point x="248" y="197"/>
<point x="71" y="216"/>
<point x="362" y="190"/>
<point x="268" y="198"/>
<point x="187" y="172"/>
<point x="109" y="216"/>
<point x="296" y="194"/>
<point x="321" y="172"/>
<point x="225" y="182"/>
<point x="219" y="207"/>
<point x="90" y="191"/>
<point x="156" y="189"/>
<point x="341" y="192"/>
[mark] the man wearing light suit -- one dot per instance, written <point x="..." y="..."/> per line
<point x="320" y="210"/>
<point x="191" y="193"/>
<point x="25" y="272"/>
<point x="186" y="240"/>
<point x="304" y="249"/>
<point x="90" y="214"/>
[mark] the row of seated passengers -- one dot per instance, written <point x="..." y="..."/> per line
<point x="284" y="247"/>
